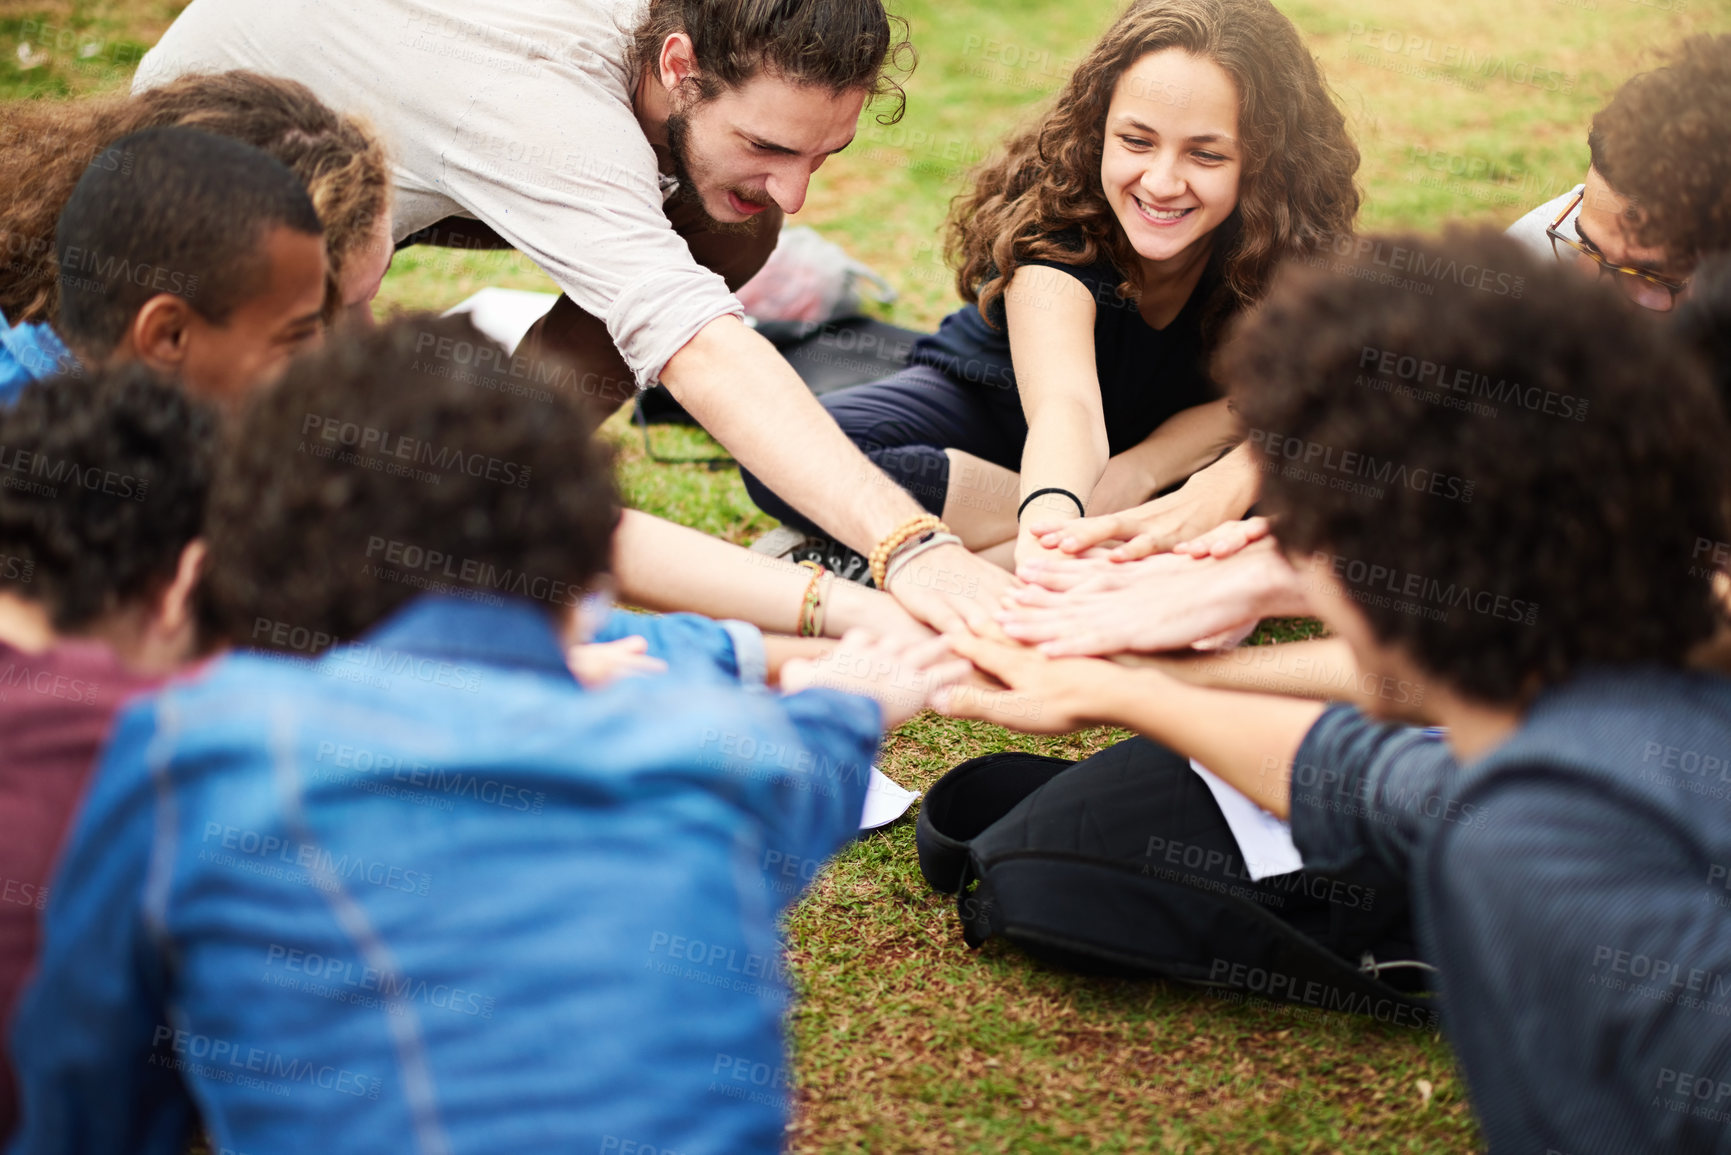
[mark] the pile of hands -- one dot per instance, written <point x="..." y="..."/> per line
<point x="1094" y="587"/>
<point x="1097" y="587"/>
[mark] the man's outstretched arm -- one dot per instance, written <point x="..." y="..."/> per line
<point x="750" y="399"/>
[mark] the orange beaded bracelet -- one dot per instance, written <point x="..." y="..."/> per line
<point x="906" y="532"/>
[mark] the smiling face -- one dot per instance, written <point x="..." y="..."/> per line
<point x="1171" y="161"/>
<point x="758" y="145"/>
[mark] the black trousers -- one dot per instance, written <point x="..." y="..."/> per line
<point x="903" y="424"/>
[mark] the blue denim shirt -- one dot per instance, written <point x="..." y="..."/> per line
<point x="425" y="893"/>
<point x="30" y="353"/>
<point x="1573" y="888"/>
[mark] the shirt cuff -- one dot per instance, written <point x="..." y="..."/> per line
<point x="750" y="657"/>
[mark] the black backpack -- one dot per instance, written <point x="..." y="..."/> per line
<point x="1123" y="866"/>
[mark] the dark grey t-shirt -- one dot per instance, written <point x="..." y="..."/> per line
<point x="1571" y="889"/>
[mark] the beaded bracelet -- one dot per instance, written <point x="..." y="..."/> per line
<point x="909" y="554"/>
<point x="900" y="536"/>
<point x="811" y="603"/>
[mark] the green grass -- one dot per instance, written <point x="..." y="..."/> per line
<point x="904" y="1040"/>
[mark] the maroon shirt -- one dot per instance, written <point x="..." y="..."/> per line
<point x="55" y="711"/>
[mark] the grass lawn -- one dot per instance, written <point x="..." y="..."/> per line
<point x="904" y="1040"/>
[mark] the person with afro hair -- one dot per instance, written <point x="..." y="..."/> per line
<point x="1541" y="568"/>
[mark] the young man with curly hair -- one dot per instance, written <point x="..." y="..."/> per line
<point x="1565" y="848"/>
<point x="390" y="876"/>
<point x="197" y="255"/>
<point x="643" y="154"/>
<point x="1657" y="196"/>
<point x="102" y="488"/>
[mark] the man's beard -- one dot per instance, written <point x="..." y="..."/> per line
<point x="679" y="148"/>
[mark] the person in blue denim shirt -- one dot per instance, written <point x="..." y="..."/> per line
<point x="390" y="877"/>
<point x="1568" y="850"/>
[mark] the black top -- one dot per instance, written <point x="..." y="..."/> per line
<point x="1146" y="374"/>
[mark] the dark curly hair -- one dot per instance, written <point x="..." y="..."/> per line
<point x="836" y="45"/>
<point x="1500" y="546"/>
<point x="1665" y="142"/>
<point x="1703" y="320"/>
<point x="390" y="464"/>
<point x="102" y="484"/>
<point x="1296" y="191"/>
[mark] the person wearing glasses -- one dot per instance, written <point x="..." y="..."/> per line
<point x="1657" y="195"/>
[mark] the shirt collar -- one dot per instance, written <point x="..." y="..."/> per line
<point x="512" y="632"/>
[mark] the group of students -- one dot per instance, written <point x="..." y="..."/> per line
<point x="342" y="809"/>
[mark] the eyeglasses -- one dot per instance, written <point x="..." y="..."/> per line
<point x="1642" y="286"/>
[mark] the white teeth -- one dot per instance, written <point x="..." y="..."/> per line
<point x="1160" y="214"/>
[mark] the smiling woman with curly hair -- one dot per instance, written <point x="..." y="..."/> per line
<point x="1194" y="147"/>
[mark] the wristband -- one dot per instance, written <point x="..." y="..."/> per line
<point x="1081" y="510"/>
<point x="899" y="537"/>
<point x="911" y="552"/>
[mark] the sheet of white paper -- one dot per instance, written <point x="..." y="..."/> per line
<point x="885" y="801"/>
<point x="1264" y="841"/>
<point x="505" y="314"/>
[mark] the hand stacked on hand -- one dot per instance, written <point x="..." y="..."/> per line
<point x="1209" y="592"/>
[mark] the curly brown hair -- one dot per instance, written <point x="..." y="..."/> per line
<point x="837" y="45"/>
<point x="1295" y="193"/>
<point x="392" y="463"/>
<point x="1665" y="142"/>
<point x="1501" y="547"/>
<point x="45" y="147"/>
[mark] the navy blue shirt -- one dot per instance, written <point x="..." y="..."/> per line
<point x="1571" y="888"/>
<point x="1146" y="374"/>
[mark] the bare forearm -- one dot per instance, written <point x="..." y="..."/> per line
<point x="1320" y="668"/>
<point x="1234" y="479"/>
<point x="1183" y="444"/>
<point x="1066" y="449"/>
<point x="779" y="650"/>
<point x="670" y="568"/>
<point x="1249" y="740"/>
<point x="749" y="398"/>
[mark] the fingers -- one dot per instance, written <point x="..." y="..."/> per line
<point x="1052" y="575"/>
<point x="937" y="613"/>
<point x="1080" y="644"/>
<point x="948" y="673"/>
<point x="1003" y="661"/>
<point x="1035" y="596"/>
<point x="1141" y="546"/>
<point x="1073" y="537"/>
<point x="961" y="701"/>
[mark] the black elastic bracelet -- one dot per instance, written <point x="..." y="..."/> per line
<point x="1081" y="510"/>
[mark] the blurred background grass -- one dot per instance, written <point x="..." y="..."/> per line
<point x="1471" y="111"/>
